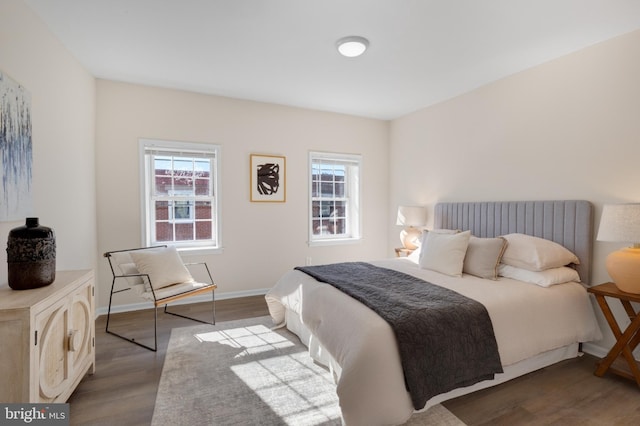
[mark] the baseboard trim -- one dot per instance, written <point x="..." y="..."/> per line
<point x="595" y="350"/>
<point x="196" y="299"/>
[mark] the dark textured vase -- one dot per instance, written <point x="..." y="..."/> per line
<point x="31" y="256"/>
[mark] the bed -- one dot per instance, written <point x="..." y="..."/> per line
<point x="535" y="324"/>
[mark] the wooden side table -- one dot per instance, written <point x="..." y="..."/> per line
<point x="401" y="251"/>
<point x="626" y="341"/>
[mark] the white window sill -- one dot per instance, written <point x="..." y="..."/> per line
<point x="334" y="242"/>
<point x="196" y="251"/>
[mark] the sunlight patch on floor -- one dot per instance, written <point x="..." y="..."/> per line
<point x="255" y="339"/>
<point x="294" y="388"/>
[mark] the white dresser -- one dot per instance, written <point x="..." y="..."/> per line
<point x="47" y="338"/>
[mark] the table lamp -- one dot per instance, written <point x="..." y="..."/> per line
<point x="412" y="219"/>
<point x="621" y="223"/>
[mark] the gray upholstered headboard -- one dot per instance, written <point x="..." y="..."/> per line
<point x="567" y="222"/>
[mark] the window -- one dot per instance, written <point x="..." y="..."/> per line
<point x="181" y="202"/>
<point x="334" y="197"/>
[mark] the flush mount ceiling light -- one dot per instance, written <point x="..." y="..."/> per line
<point x="352" y="46"/>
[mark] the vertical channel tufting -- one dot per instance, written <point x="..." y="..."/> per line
<point x="567" y="222"/>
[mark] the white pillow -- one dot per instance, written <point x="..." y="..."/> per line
<point x="130" y="269"/>
<point x="483" y="257"/>
<point x="164" y="266"/>
<point x="444" y="253"/>
<point x="122" y="261"/>
<point x="415" y="255"/>
<point x="535" y="254"/>
<point x="545" y="278"/>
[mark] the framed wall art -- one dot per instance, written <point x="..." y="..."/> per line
<point x="268" y="178"/>
<point x="15" y="150"/>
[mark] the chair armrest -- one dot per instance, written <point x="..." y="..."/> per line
<point x="206" y="268"/>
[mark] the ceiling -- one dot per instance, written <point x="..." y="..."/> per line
<point x="283" y="51"/>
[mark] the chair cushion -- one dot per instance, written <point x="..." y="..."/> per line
<point x="171" y="290"/>
<point x="164" y="266"/>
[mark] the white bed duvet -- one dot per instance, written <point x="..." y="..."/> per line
<point x="534" y="326"/>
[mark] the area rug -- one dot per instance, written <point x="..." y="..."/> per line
<point x="245" y="373"/>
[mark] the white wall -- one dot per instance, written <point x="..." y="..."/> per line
<point x="261" y="240"/>
<point x="565" y="129"/>
<point x="568" y="129"/>
<point x="63" y="126"/>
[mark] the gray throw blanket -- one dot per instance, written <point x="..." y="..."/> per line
<point x="446" y="340"/>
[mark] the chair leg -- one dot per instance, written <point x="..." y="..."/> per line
<point x="155" y="328"/>
<point x="132" y="340"/>
<point x="113" y="282"/>
<point x="213" y="304"/>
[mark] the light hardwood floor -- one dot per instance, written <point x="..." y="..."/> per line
<point x="123" y="389"/>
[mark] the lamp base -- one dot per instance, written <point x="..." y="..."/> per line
<point x="624" y="268"/>
<point x="410" y="238"/>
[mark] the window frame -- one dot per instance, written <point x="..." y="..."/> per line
<point x="353" y="182"/>
<point x="147" y="176"/>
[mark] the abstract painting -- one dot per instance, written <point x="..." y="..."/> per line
<point x="15" y="148"/>
<point x="268" y="181"/>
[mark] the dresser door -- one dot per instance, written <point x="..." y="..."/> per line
<point x="80" y="332"/>
<point x="52" y="356"/>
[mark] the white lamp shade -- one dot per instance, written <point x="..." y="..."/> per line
<point x="412" y="216"/>
<point x="620" y="222"/>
